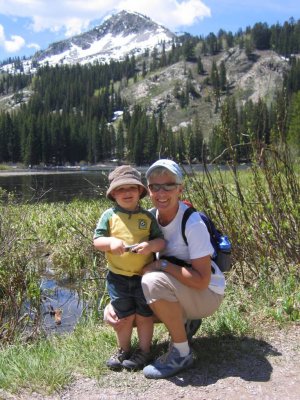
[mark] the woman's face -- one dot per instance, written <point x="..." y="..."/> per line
<point x="164" y="198"/>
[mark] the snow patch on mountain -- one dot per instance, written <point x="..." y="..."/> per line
<point x="124" y="34"/>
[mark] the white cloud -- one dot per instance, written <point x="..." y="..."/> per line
<point x="74" y="16"/>
<point x="33" y="46"/>
<point x="15" y="43"/>
<point x="170" y="13"/>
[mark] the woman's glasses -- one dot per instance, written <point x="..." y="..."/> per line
<point x="167" y="187"/>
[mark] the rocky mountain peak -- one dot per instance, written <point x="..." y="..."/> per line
<point x="127" y="23"/>
<point x="125" y="33"/>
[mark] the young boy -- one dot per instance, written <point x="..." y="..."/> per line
<point x="127" y="224"/>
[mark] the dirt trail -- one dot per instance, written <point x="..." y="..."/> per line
<point x="236" y="369"/>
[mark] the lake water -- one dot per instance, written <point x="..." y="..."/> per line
<point x="55" y="186"/>
<point x="64" y="185"/>
<point x="58" y="295"/>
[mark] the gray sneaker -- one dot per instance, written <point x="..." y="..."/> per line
<point x="168" y="364"/>
<point x="137" y="361"/>
<point x="116" y="360"/>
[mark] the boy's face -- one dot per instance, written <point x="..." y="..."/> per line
<point x="127" y="196"/>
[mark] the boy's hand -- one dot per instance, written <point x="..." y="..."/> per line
<point x="117" y="246"/>
<point x="142" y="248"/>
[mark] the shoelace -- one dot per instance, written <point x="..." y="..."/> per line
<point x="138" y="356"/>
<point x="120" y="354"/>
<point x="166" y="356"/>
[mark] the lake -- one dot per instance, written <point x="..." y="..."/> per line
<point x="62" y="185"/>
<point x="55" y="186"/>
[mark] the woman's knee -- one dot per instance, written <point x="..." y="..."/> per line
<point x="151" y="280"/>
<point x="148" y="285"/>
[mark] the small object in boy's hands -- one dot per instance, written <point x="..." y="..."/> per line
<point x="131" y="248"/>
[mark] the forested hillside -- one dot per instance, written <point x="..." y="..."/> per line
<point x="68" y="114"/>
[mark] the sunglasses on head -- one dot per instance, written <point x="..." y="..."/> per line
<point x="167" y="187"/>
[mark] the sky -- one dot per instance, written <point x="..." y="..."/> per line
<point x="27" y="26"/>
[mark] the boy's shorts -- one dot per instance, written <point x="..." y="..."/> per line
<point x="126" y="295"/>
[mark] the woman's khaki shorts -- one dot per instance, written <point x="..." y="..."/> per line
<point x="195" y="303"/>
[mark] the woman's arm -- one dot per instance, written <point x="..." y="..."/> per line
<point x="197" y="276"/>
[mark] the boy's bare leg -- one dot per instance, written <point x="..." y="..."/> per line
<point x="145" y="332"/>
<point x="124" y="332"/>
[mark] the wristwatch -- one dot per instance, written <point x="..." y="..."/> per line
<point x="163" y="265"/>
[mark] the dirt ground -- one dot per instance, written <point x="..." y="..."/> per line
<point x="237" y="369"/>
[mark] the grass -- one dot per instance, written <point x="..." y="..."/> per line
<point x="4" y="167"/>
<point x="48" y="364"/>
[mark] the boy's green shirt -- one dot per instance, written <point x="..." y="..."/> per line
<point x="131" y="227"/>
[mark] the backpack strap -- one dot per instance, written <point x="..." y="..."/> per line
<point x="186" y="215"/>
<point x="212" y="230"/>
<point x="188" y="212"/>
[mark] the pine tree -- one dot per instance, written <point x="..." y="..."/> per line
<point x="197" y="141"/>
<point x="151" y="141"/>
<point x="120" y="141"/>
<point x="215" y="82"/>
<point x="200" y="68"/>
<point x="223" y="78"/>
<point x="144" y="69"/>
<point x="293" y="136"/>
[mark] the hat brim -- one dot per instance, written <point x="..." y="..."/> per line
<point x="122" y="182"/>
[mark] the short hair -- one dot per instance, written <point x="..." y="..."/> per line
<point x="161" y="171"/>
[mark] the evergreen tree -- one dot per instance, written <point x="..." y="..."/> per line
<point x="261" y="36"/>
<point x="163" y="57"/>
<point x="141" y="129"/>
<point x="197" y="141"/>
<point x="223" y="78"/>
<point x="200" y="68"/>
<point x="144" y="69"/>
<point x="120" y="145"/>
<point x="212" y="44"/>
<point x="215" y="82"/>
<point x="151" y="141"/>
<point x="293" y="136"/>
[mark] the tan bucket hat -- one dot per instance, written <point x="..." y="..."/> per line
<point x="125" y="175"/>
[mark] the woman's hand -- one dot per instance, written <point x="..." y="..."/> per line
<point x="154" y="266"/>
<point x="142" y="248"/>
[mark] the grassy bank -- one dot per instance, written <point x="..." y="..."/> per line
<point x="258" y="209"/>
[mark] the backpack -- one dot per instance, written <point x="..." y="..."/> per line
<point x="219" y="241"/>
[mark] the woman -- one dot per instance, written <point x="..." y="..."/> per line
<point x="178" y="293"/>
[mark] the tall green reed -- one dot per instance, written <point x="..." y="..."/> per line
<point x="258" y="208"/>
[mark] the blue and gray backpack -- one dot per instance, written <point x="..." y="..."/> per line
<point x="219" y="241"/>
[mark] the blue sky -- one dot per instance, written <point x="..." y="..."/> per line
<point x="29" y="25"/>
